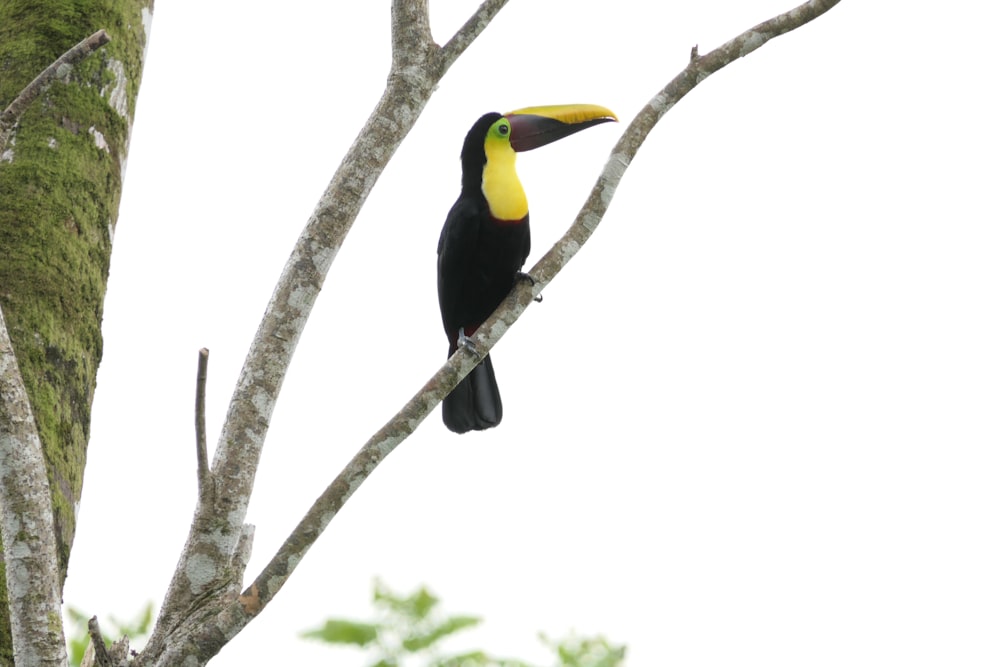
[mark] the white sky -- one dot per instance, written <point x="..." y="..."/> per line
<point x="754" y="421"/>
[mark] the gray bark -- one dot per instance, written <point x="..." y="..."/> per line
<point x="29" y="538"/>
<point x="199" y="631"/>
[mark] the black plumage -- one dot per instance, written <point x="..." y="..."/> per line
<point x="486" y="239"/>
<point x="479" y="258"/>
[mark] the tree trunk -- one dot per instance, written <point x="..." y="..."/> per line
<point x="60" y="183"/>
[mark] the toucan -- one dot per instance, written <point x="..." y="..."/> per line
<point x="485" y="240"/>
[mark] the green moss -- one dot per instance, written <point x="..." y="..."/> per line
<point x="6" y="645"/>
<point x="59" y="203"/>
<point x="55" y="624"/>
<point x="33" y="33"/>
<point x="56" y="232"/>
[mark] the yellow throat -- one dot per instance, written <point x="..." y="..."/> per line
<point x="501" y="186"/>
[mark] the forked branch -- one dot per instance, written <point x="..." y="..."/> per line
<point x="218" y="543"/>
<point x="270" y="580"/>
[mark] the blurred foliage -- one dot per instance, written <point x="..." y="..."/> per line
<point x="586" y="652"/>
<point x="77" y="635"/>
<point x="409" y="629"/>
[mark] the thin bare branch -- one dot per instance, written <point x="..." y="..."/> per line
<point x="101" y="657"/>
<point x="264" y="587"/>
<point x="218" y="541"/>
<point x="379" y="446"/>
<point x="10" y="115"/>
<point x="698" y="69"/>
<point x="467" y="33"/>
<point x="205" y="488"/>
<point x="26" y="525"/>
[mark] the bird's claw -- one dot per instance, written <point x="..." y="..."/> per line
<point x="466" y="342"/>
<point x="521" y="275"/>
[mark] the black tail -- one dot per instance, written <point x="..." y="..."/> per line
<point x="474" y="405"/>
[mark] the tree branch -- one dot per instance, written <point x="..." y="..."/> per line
<point x="469" y="31"/>
<point x="101" y="657"/>
<point x="26" y="526"/>
<point x="411" y="33"/>
<point x="205" y="487"/>
<point x="239" y="613"/>
<point x="10" y="115"/>
<point x="698" y="69"/>
<point x="214" y="555"/>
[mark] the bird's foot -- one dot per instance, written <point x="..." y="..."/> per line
<point x="465" y="341"/>
<point x="521" y="275"/>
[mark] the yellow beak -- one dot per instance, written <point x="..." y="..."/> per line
<point x="533" y="127"/>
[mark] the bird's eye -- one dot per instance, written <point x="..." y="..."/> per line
<point x="503" y="129"/>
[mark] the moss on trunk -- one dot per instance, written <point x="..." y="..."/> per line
<point x="60" y="184"/>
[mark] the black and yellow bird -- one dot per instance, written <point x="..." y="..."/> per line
<point x="485" y="240"/>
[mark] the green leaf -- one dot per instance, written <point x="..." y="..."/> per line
<point x="568" y="657"/>
<point x="415" y="607"/>
<point x="472" y="659"/>
<point x="77" y="616"/>
<point x="77" y="647"/>
<point x="382" y="594"/>
<point x="586" y="651"/>
<point x="476" y="659"/>
<point x="613" y="658"/>
<point x="137" y="627"/>
<point x="419" y="642"/>
<point x="337" y="631"/>
<point x="410" y="625"/>
<point x="421" y="603"/>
